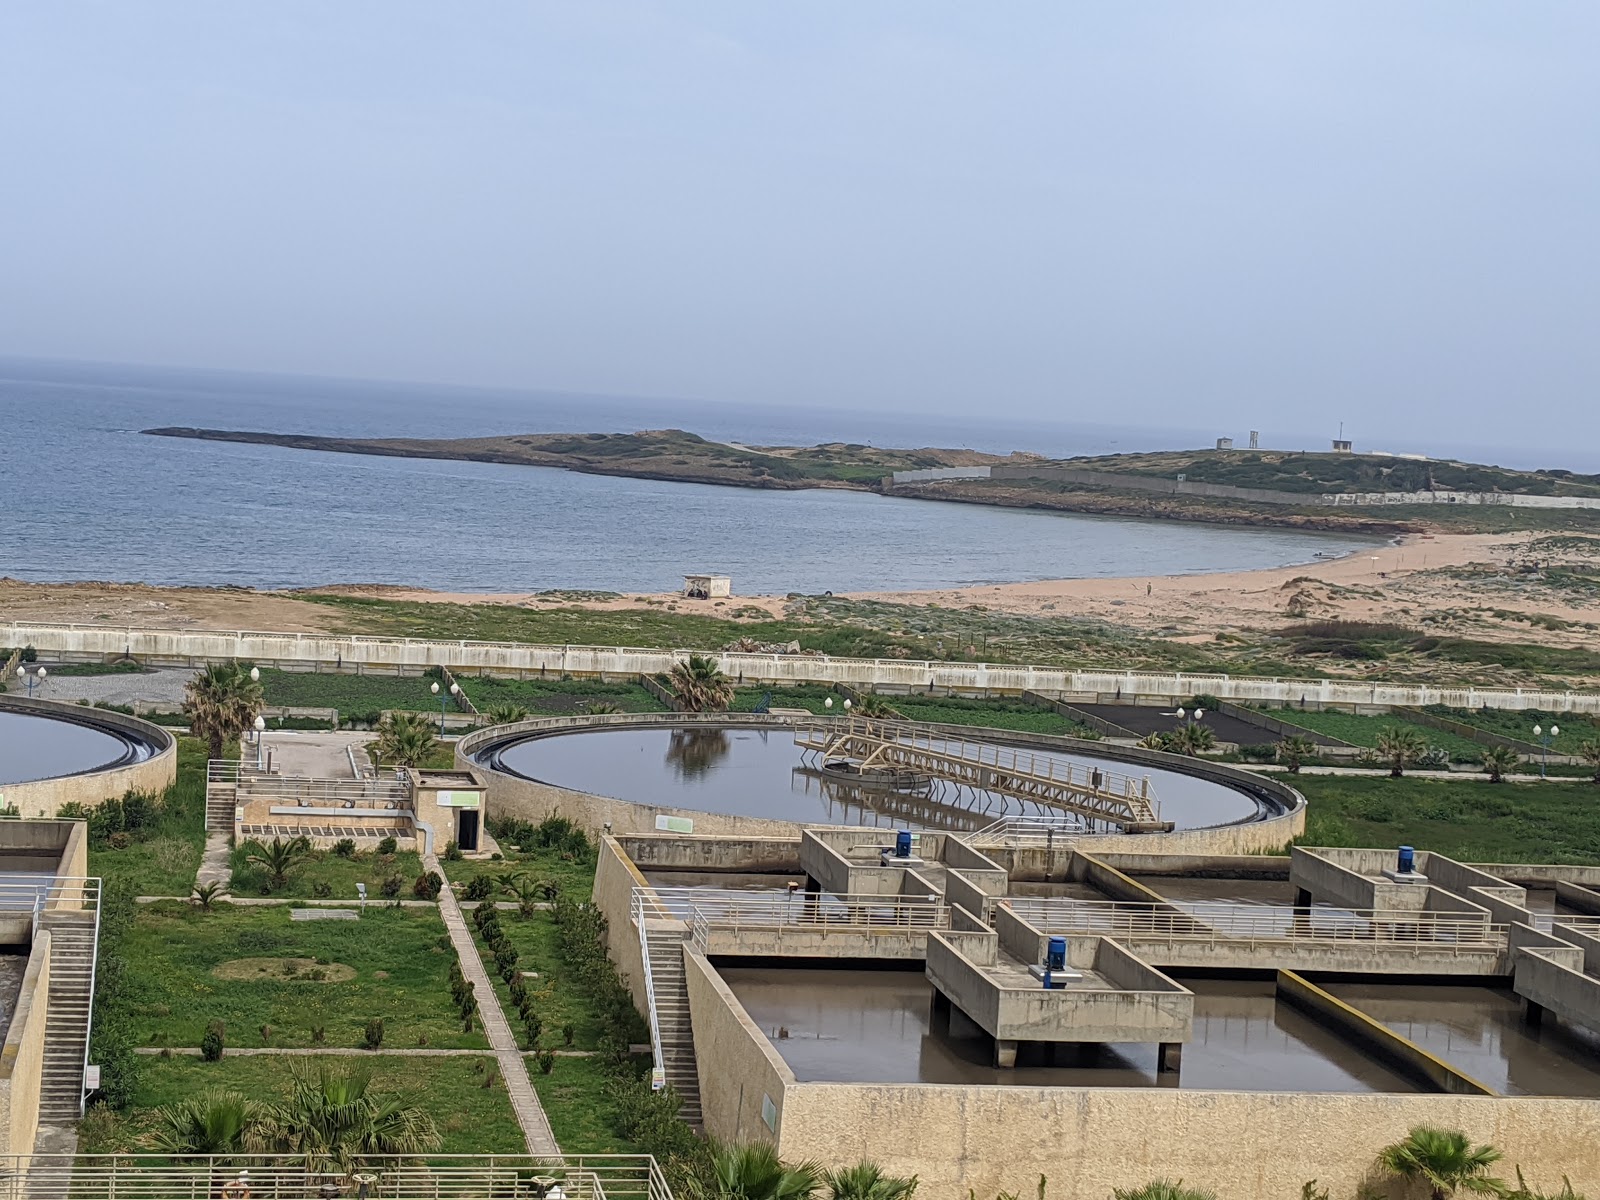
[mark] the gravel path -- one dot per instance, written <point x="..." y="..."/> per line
<point x="159" y="687"/>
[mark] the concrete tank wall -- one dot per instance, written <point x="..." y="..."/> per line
<point x="44" y="797"/>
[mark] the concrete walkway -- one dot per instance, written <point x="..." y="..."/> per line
<point x="352" y="1051"/>
<point x="315" y="755"/>
<point x="513" y="1068"/>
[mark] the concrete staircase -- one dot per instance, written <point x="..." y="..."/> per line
<point x="670" y="1027"/>
<point x="72" y="959"/>
<point x="220" y="800"/>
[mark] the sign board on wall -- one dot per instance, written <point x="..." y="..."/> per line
<point x="458" y="799"/>
<point x="769" y="1112"/>
<point x="666" y="824"/>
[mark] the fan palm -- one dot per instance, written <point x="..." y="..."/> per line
<point x="221" y="702"/>
<point x="1445" y="1160"/>
<point x="1497" y="760"/>
<point x="405" y="739"/>
<point x="277" y="858"/>
<point x="1589" y="751"/>
<point x="505" y="714"/>
<point x="1193" y="739"/>
<point x="1400" y="748"/>
<point x="700" y="686"/>
<point x="527" y="890"/>
<point x="216" y="1121"/>
<point x="1162" y="1189"/>
<point x="695" y="751"/>
<point x="875" y="707"/>
<point x="1294" y="750"/>
<point x="866" y="1181"/>
<point x="333" y="1118"/>
<point x="755" y="1172"/>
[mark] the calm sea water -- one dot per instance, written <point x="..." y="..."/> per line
<point x="83" y="495"/>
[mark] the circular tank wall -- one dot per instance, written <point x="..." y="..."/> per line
<point x="53" y="754"/>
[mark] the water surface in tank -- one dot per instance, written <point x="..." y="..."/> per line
<point x="760" y="773"/>
<point x="34" y="746"/>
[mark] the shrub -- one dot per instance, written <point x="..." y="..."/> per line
<point x="1261" y="753"/>
<point x="391" y="886"/>
<point x="211" y="1043"/>
<point x="532" y="1028"/>
<point x="452" y="851"/>
<point x="567" y="1034"/>
<point x="345" y="847"/>
<point x="372" y="1036"/>
<point x="547" y="1061"/>
<point x="387" y="846"/>
<point x="427" y="887"/>
<point x="480" y="888"/>
<point x="322" y="889"/>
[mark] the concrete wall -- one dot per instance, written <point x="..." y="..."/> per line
<point x="22" y="1056"/>
<point x="1244" y="1146"/>
<point x="521" y="660"/>
<point x="614" y="880"/>
<point x="738" y="1066"/>
<point x="712" y="855"/>
<point x="44" y="797"/>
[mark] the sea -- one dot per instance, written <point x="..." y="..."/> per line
<point x="84" y="495"/>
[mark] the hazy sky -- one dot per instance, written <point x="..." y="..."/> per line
<point x="1279" y="214"/>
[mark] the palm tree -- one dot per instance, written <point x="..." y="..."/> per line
<point x="1162" y="1189"/>
<point x="1445" y="1160"/>
<point x="695" y="751"/>
<point x="1497" y="760"/>
<point x="526" y="889"/>
<point x="278" y="858"/>
<point x="876" y="707"/>
<point x="754" y="1172"/>
<point x="700" y="686"/>
<point x="333" y="1118"/>
<point x="221" y="702"/>
<point x="1294" y="750"/>
<point x="505" y="714"/>
<point x="866" y="1181"/>
<point x="1589" y="751"/>
<point x="1400" y="747"/>
<point x="1192" y="739"/>
<point x="216" y="1121"/>
<point x="405" y="739"/>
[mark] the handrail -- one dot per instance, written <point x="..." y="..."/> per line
<point x="1028" y="829"/>
<point x="1223" y="922"/>
<point x="639" y="920"/>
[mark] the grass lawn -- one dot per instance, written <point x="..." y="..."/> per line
<point x="472" y="1118"/>
<point x="556" y="697"/>
<point x="164" y="858"/>
<point x="582" y="1115"/>
<point x="558" y="999"/>
<point x="362" y="695"/>
<point x="1468" y="820"/>
<point x="575" y="877"/>
<point x="1575" y="727"/>
<point x="986" y="714"/>
<point x="339" y="875"/>
<point x="1363" y="731"/>
<point x="400" y="957"/>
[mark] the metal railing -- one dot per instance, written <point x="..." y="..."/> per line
<point x="1253" y="924"/>
<point x="643" y="911"/>
<point x="392" y="792"/>
<point x="1028" y="829"/>
<point x="438" y="1177"/>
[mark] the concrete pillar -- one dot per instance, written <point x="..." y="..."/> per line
<point x="939" y="1012"/>
<point x="1170" y="1059"/>
<point x="1534" y="1014"/>
<point x="1005" y="1053"/>
<point x="1302" y="898"/>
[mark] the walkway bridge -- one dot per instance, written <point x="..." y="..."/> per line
<point x="861" y="746"/>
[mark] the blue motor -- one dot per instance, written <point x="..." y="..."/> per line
<point x="1055" y="958"/>
<point x="902" y="844"/>
<point x="1408" y="861"/>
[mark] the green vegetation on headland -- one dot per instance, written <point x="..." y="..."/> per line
<point x="673" y="454"/>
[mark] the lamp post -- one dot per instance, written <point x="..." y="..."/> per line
<point x="434" y="688"/>
<point x="38" y="677"/>
<point x="255" y="674"/>
<point x="260" y="724"/>
<point x="827" y="701"/>
<point x="1545" y="738"/>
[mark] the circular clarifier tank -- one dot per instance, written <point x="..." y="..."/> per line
<point x="762" y="773"/>
<point x="35" y="746"/>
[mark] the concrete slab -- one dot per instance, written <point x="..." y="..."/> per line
<point x="323" y="914"/>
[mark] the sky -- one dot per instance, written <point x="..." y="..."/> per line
<point x="1208" y="214"/>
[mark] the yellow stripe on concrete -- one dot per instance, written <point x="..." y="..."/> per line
<point x="1401" y="1051"/>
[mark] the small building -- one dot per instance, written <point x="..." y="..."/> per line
<point x="449" y="804"/>
<point x="707" y="587"/>
<point x="1224" y="443"/>
<point x="1341" y="446"/>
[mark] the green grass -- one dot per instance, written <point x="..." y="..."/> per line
<point x="340" y="874"/>
<point x="556" y="697"/>
<point x="986" y="714"/>
<point x="1575" y="728"/>
<point x="401" y="958"/>
<point x="582" y="1114"/>
<point x="164" y="861"/>
<point x="575" y="877"/>
<point x="558" y="999"/>
<point x="358" y="695"/>
<point x="1364" y="731"/>
<point x="813" y="699"/>
<point x="1469" y="820"/>
<point x="70" y="670"/>
<point x="472" y="1118"/>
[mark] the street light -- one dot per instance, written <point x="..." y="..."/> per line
<point x="260" y="724"/>
<point x="38" y="677"/>
<point x="826" y="703"/>
<point x="434" y="688"/>
<point x="1544" y="740"/>
<point x="255" y="674"/>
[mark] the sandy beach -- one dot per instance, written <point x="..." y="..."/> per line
<point x="1418" y="576"/>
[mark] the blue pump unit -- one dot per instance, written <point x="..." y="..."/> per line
<point x="902" y="844"/>
<point x="1055" y="957"/>
<point x="1408" y="861"/>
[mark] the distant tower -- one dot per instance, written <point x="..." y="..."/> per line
<point x="1255" y="439"/>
